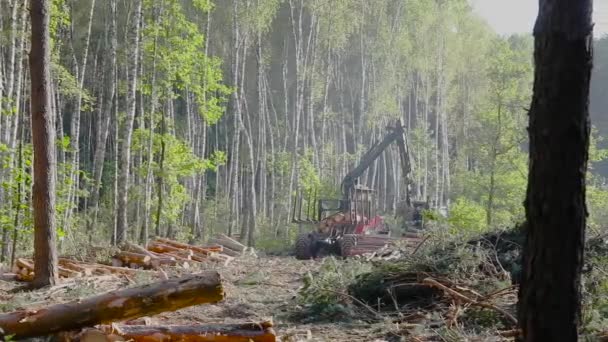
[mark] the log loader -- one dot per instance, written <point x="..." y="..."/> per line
<point x="349" y="225"/>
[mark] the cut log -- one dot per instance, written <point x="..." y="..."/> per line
<point x="99" y="268"/>
<point x="231" y="243"/>
<point x="213" y="247"/>
<point x="25" y="277"/>
<point x="230" y="252"/>
<point x="23" y="263"/>
<point x="130" y="247"/>
<point x="177" y="256"/>
<point x="87" y="271"/>
<point x="198" y="257"/>
<point x="117" y="262"/>
<point x="251" y="332"/>
<point x="26" y="270"/>
<point x="105" y="269"/>
<point x="9" y="276"/>
<point x="134" y="258"/>
<point x="226" y="250"/>
<point x="147" y="300"/>
<point x="166" y="261"/>
<point x="67" y="273"/>
<point x="180" y="245"/>
<point x="162" y="248"/>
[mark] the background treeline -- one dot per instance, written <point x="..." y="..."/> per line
<point x="186" y="117"/>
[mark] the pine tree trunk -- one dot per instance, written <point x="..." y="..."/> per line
<point x="550" y="298"/>
<point x="43" y="136"/>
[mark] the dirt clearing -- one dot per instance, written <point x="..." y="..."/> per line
<point x="257" y="289"/>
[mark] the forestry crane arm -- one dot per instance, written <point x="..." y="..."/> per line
<point x="397" y="134"/>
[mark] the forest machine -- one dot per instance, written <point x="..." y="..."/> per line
<point x="349" y="225"/>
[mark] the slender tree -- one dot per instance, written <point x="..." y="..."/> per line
<point x="127" y="128"/>
<point x="43" y="139"/>
<point x="559" y="140"/>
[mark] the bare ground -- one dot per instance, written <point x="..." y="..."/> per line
<point x="257" y="289"/>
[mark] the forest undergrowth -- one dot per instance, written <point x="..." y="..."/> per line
<point x="447" y="288"/>
<point x="478" y="299"/>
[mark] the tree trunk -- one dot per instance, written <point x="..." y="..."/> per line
<point x="43" y="139"/>
<point x="127" y="129"/>
<point x="555" y="205"/>
<point x="160" y="179"/>
<point x="105" y="115"/>
<point x="146" y="300"/>
<point x="76" y="116"/>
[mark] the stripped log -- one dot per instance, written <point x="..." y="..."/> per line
<point x="68" y="273"/>
<point x="147" y="300"/>
<point x="101" y="268"/>
<point x="185" y="246"/>
<point x="25" y="277"/>
<point x="251" y="332"/>
<point x="226" y="250"/>
<point x="26" y="270"/>
<point x="231" y="243"/>
<point x="130" y="247"/>
<point x="162" y="248"/>
<point x="75" y="267"/>
<point x="23" y="263"/>
<point x="133" y="258"/>
<point x="165" y="261"/>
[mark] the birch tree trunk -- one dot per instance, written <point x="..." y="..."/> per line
<point x="127" y="129"/>
<point x="105" y="115"/>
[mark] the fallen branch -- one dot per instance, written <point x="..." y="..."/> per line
<point x="419" y="244"/>
<point x="346" y="295"/>
<point x="169" y="295"/>
<point x="457" y="295"/>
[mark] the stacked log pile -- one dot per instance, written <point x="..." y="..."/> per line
<point x="69" y="268"/>
<point x="159" y="253"/>
<point x="166" y="252"/>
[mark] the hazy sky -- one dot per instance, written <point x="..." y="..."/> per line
<point x="518" y="16"/>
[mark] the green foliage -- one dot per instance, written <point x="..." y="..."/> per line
<point x="176" y="47"/>
<point x="495" y="174"/>
<point x="68" y="85"/>
<point x="467" y="215"/>
<point x="597" y="203"/>
<point x="310" y="181"/>
<point x="324" y="293"/>
<point x="179" y="162"/>
<point x="60" y="17"/>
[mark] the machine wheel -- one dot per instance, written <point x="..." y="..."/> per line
<point x="304" y="247"/>
<point x="347" y="243"/>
